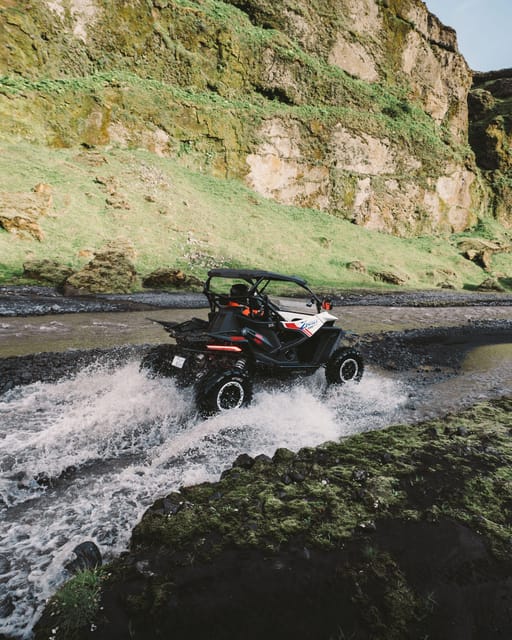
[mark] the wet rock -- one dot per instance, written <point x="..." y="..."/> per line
<point x="244" y="461"/>
<point x="143" y="568"/>
<point x="170" y="278"/>
<point x="262" y="460"/>
<point x="367" y="526"/>
<point x="110" y="271"/>
<point x="360" y="475"/>
<point x="170" y="505"/>
<point x="283" y="455"/>
<point x="6" y="606"/>
<point x="88" y="556"/>
<point x="5" y="565"/>
<point x="48" y="271"/>
<point x="296" y="476"/>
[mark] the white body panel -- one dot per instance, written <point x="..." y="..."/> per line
<point x="304" y="322"/>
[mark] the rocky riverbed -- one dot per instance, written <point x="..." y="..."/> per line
<point x="396" y="532"/>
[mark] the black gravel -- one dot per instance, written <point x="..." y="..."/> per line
<point x="434" y="298"/>
<point x="36" y="300"/>
<point x="432" y="347"/>
<point x="52" y="366"/>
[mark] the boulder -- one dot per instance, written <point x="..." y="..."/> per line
<point x="87" y="556"/>
<point x="490" y="284"/>
<point x="390" y="277"/>
<point x="357" y="265"/>
<point x="444" y="278"/>
<point x="115" y="197"/>
<point x="48" y="271"/>
<point x="20" y="211"/>
<point x="110" y="271"/>
<point x="170" y="278"/>
<point x="480" y="251"/>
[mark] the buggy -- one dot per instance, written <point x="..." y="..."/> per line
<point x="251" y="333"/>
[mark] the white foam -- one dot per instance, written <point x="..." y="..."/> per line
<point x="122" y="440"/>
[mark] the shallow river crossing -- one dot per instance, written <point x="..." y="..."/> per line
<point x="83" y="458"/>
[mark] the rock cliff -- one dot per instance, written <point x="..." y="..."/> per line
<point x="490" y="133"/>
<point x="358" y="108"/>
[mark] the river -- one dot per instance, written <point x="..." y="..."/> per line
<point x="82" y="458"/>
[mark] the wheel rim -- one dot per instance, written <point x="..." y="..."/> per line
<point x="230" y="396"/>
<point x="349" y="369"/>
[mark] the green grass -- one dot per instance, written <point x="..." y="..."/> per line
<point x="181" y="218"/>
<point x="76" y="604"/>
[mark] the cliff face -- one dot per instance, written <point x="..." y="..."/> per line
<point x="354" y="107"/>
<point x="490" y="134"/>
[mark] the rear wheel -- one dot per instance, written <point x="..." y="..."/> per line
<point x="223" y="390"/>
<point x="345" y="365"/>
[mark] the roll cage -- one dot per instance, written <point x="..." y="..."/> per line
<point x="257" y="281"/>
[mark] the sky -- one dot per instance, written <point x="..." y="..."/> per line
<point x="483" y="30"/>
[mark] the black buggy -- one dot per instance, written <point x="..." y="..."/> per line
<point x="251" y="333"/>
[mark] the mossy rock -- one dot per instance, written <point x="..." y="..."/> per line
<point x="110" y="271"/>
<point x="389" y="534"/>
<point x="47" y="271"/>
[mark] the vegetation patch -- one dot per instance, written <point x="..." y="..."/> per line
<point x="76" y="605"/>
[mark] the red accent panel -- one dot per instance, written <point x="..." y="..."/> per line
<point x="222" y="347"/>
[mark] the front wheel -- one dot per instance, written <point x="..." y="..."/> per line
<point x="223" y="390"/>
<point x="345" y="365"/>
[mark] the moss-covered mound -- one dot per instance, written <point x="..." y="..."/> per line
<point x="399" y="533"/>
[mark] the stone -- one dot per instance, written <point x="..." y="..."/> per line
<point x="48" y="271"/>
<point x="357" y="265"/>
<point x="244" y="461"/>
<point x="480" y="251"/>
<point x="390" y="277"/>
<point x="110" y="271"/>
<point x="170" y="278"/>
<point x="490" y="284"/>
<point x="88" y="556"/>
<point x="20" y="211"/>
<point x="6" y="606"/>
<point x="283" y="455"/>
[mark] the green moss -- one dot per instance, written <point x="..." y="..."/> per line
<point x="334" y="499"/>
<point x="457" y="468"/>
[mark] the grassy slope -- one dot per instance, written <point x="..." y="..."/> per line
<point x="187" y="219"/>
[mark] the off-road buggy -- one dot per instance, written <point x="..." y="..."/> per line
<point x="251" y="333"/>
